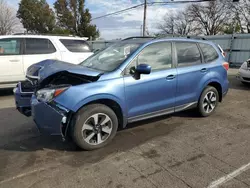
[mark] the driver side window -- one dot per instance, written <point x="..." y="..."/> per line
<point x="158" y="56"/>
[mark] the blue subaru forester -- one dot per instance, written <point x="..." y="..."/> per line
<point x="134" y="79"/>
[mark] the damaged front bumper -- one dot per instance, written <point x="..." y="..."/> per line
<point x="22" y="100"/>
<point x="50" y="118"/>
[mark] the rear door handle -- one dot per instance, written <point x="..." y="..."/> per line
<point x="204" y="70"/>
<point x="14" y="60"/>
<point x="170" y="77"/>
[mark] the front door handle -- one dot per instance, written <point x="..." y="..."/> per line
<point x="170" y="77"/>
<point x="204" y="70"/>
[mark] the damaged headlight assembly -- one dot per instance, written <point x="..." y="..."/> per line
<point x="47" y="94"/>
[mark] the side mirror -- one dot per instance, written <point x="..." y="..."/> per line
<point x="143" y="69"/>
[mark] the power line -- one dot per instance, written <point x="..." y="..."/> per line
<point x="118" y="12"/>
<point x="180" y="2"/>
<point x="152" y="3"/>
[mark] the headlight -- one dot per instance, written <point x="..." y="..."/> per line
<point x="47" y="95"/>
<point x="244" y="66"/>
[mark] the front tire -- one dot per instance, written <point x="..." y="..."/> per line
<point x="95" y="126"/>
<point x="245" y="83"/>
<point x="208" y="101"/>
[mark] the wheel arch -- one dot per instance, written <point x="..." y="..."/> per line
<point x="214" y="83"/>
<point x="112" y="102"/>
<point x="218" y="87"/>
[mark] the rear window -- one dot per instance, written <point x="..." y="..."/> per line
<point x="209" y="53"/>
<point x="38" y="46"/>
<point x="75" y="45"/>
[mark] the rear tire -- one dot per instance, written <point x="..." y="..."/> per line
<point x="95" y="126"/>
<point x="208" y="101"/>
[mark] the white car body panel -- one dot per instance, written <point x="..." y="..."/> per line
<point x="13" y="67"/>
<point x="244" y="73"/>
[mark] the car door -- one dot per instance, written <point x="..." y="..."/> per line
<point x="11" y="69"/>
<point x="36" y="50"/>
<point x="191" y="71"/>
<point x="152" y="94"/>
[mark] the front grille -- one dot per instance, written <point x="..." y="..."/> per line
<point x="33" y="81"/>
<point x="27" y="86"/>
<point x="247" y="79"/>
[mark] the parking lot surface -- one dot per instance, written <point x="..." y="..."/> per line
<point x="179" y="150"/>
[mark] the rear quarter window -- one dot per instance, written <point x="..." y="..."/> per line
<point x="209" y="53"/>
<point x="76" y="45"/>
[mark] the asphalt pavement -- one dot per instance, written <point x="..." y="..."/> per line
<point x="179" y="150"/>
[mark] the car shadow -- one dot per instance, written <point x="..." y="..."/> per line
<point x="133" y="135"/>
<point x="234" y="83"/>
<point x="127" y="138"/>
<point x="6" y="92"/>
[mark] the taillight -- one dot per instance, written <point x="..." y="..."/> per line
<point x="226" y="65"/>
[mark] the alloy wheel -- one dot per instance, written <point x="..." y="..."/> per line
<point x="97" y="129"/>
<point x="209" y="102"/>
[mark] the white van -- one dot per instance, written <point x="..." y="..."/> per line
<point x="18" y="52"/>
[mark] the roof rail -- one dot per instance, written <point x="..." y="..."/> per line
<point x="170" y="35"/>
<point x="139" y="37"/>
<point x="184" y="36"/>
<point x="196" y="37"/>
<point x="46" y="34"/>
<point x="19" y="34"/>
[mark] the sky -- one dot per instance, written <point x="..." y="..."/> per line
<point x="122" y="25"/>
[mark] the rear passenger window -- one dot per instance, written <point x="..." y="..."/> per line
<point x="75" y="45"/>
<point x="187" y="54"/>
<point x="10" y="46"/>
<point x="209" y="53"/>
<point x="38" y="46"/>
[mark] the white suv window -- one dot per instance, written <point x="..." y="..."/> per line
<point x="38" y="46"/>
<point x="75" y="45"/>
<point x="10" y="46"/>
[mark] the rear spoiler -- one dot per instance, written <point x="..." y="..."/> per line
<point x="221" y="50"/>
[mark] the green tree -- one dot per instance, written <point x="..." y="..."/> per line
<point x="232" y="28"/>
<point x="36" y="16"/>
<point x="72" y="16"/>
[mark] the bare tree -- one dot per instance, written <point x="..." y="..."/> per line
<point x="175" y="23"/>
<point x="8" y="20"/>
<point x="209" y="18"/>
<point x="242" y="14"/>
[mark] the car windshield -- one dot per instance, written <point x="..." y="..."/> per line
<point x="111" y="57"/>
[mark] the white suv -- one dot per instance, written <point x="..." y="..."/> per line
<point x="18" y="52"/>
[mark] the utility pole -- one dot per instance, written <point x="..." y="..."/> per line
<point x="144" y="18"/>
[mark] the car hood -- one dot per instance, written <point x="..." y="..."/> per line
<point x="48" y="67"/>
